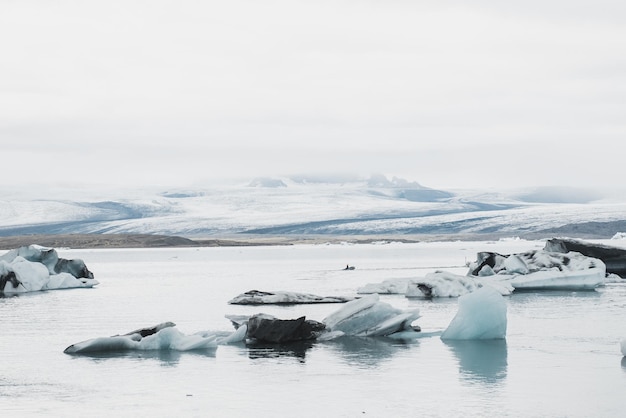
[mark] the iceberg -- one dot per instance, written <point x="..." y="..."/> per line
<point x="481" y="316"/>
<point x="540" y="269"/>
<point x="369" y="317"/>
<point x="33" y="268"/>
<point x="256" y="297"/>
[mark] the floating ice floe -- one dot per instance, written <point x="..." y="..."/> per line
<point x="256" y="297"/>
<point x="386" y="287"/>
<point x="481" y="316"/>
<point x="33" y="268"/>
<point x="539" y="269"/>
<point x="445" y="284"/>
<point x="163" y="336"/>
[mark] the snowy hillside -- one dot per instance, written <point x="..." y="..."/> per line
<point x="301" y="206"/>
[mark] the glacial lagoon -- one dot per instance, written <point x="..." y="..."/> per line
<point x="561" y="356"/>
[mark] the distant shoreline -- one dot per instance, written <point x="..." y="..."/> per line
<point x="96" y="241"/>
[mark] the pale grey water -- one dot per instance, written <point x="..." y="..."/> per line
<point x="561" y="357"/>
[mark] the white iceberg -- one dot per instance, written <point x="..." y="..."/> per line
<point x="541" y="269"/>
<point x="369" y="317"/>
<point x="481" y="316"/>
<point x="256" y="297"/>
<point x="34" y="268"/>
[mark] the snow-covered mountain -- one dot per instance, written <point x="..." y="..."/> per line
<point x="309" y="205"/>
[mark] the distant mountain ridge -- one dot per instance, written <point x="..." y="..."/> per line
<point x="316" y="206"/>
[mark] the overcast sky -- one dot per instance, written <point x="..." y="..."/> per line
<point x="450" y="94"/>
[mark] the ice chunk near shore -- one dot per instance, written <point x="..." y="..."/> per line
<point x="33" y="268"/>
<point x="370" y="317"/>
<point x="481" y="316"/>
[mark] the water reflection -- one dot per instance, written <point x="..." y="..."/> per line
<point x="367" y="351"/>
<point x="168" y="358"/>
<point x="296" y="349"/>
<point x="483" y="361"/>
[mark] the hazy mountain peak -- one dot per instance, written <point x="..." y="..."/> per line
<point x="266" y="182"/>
<point x="380" y="180"/>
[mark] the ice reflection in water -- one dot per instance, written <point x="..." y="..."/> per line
<point x="483" y="361"/>
<point x="168" y="358"/>
<point x="295" y="350"/>
<point x="367" y="352"/>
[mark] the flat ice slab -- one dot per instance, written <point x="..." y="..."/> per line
<point x="256" y="297"/>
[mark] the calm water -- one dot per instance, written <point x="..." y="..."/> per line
<point x="561" y="357"/>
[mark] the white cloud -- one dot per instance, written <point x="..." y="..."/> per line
<point x="207" y="88"/>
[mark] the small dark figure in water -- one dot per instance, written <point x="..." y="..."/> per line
<point x="348" y="267"/>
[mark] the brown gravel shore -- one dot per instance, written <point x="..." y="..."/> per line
<point x="83" y="241"/>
